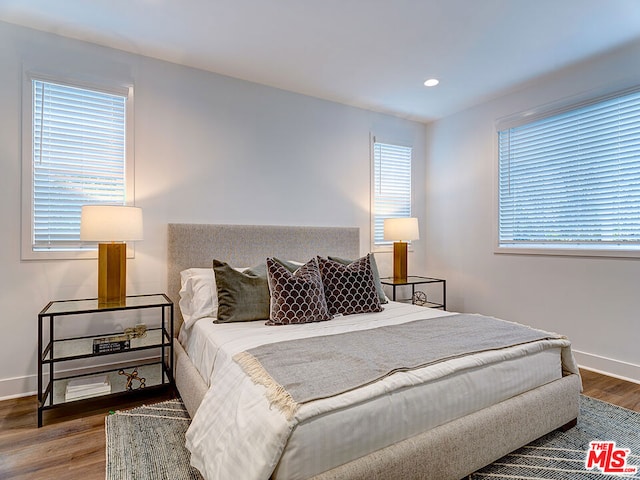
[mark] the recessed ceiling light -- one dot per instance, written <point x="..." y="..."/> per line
<point x="432" y="82"/>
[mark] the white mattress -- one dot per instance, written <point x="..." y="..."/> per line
<point x="334" y="431"/>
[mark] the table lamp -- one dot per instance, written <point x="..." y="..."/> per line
<point x="111" y="226"/>
<point x="401" y="231"/>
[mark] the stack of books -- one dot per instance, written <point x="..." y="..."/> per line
<point x="87" y="387"/>
<point x="115" y="343"/>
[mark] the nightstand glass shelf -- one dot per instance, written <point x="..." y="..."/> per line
<point x="152" y="373"/>
<point x="91" y="305"/>
<point x="82" y="347"/>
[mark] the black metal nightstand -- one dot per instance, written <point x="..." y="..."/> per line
<point x="417" y="280"/>
<point x="150" y="375"/>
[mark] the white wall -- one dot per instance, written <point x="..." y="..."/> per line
<point x="594" y="301"/>
<point x="208" y="149"/>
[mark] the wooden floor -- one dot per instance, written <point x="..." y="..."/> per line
<point x="72" y="449"/>
<point x="609" y="389"/>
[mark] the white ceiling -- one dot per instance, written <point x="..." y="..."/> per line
<point x="373" y="54"/>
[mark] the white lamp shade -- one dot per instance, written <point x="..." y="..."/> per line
<point x="110" y="223"/>
<point x="401" y="229"/>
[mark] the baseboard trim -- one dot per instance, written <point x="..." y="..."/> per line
<point x="608" y="366"/>
<point x="18" y="387"/>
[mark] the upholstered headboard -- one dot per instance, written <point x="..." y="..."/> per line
<point x="196" y="245"/>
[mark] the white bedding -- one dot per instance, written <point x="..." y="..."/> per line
<point x="235" y="433"/>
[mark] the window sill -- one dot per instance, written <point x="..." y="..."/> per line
<point x="30" y="255"/>
<point x="612" y="252"/>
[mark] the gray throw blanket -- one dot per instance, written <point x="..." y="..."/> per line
<point x="299" y="371"/>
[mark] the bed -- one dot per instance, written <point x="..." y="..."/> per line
<point x="447" y="436"/>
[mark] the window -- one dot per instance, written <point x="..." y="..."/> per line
<point x="570" y="181"/>
<point x="77" y="155"/>
<point x="391" y="186"/>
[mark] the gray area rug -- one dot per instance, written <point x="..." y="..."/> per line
<point x="148" y="443"/>
<point x="561" y="455"/>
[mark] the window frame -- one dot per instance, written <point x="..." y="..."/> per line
<point x="387" y="246"/>
<point x="27" y="251"/>
<point x="534" y="115"/>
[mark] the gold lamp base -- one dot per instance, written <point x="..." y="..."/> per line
<point x="400" y="261"/>
<point x="112" y="274"/>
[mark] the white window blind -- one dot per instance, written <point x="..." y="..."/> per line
<point x="392" y="186"/>
<point x="572" y="180"/>
<point x="78" y="158"/>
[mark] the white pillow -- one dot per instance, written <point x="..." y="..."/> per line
<point x="198" y="295"/>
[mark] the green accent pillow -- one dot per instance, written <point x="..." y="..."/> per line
<point x="374" y="270"/>
<point x="243" y="296"/>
